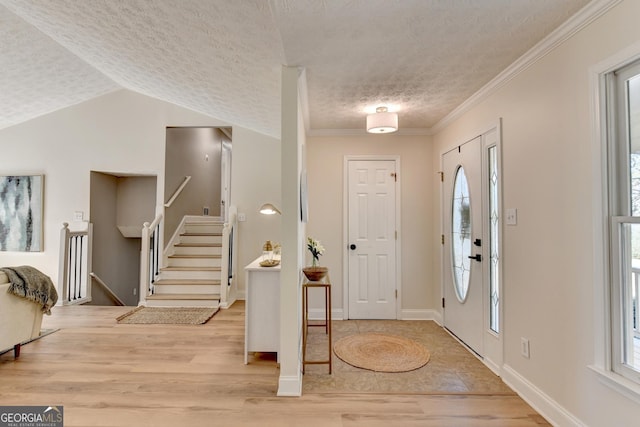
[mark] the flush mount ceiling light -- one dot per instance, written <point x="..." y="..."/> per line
<point x="382" y="121"/>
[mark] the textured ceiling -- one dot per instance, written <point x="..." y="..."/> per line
<point x="421" y="58"/>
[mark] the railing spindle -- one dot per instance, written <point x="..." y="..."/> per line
<point x="74" y="265"/>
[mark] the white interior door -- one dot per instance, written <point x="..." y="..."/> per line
<point x="462" y="270"/>
<point x="372" y="239"/>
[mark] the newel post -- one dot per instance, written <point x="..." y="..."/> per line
<point x="144" y="263"/>
<point x="63" y="272"/>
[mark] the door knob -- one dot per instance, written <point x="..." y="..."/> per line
<point x="352" y="246"/>
<point x="477" y="257"/>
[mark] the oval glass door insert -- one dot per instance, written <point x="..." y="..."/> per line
<point x="461" y="235"/>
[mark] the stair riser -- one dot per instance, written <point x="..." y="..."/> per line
<point x="190" y="275"/>
<point x="201" y="239"/>
<point x="183" y="303"/>
<point x="203" y="228"/>
<point x="194" y="262"/>
<point x="187" y="289"/>
<point x="195" y="250"/>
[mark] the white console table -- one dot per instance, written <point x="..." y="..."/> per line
<point x="262" y="309"/>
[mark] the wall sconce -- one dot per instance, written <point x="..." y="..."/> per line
<point x="269" y="209"/>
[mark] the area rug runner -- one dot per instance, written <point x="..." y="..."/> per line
<point x="168" y="315"/>
<point x="381" y="352"/>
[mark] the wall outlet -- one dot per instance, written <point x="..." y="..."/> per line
<point x="205" y="211"/>
<point x="524" y="348"/>
<point x="135" y="291"/>
<point x="242" y="217"/>
<point x="511" y="216"/>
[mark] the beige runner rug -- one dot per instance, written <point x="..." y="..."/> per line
<point x="168" y="315"/>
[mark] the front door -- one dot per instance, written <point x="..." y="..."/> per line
<point x="462" y="270"/>
<point x="372" y="239"/>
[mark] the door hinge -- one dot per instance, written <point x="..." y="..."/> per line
<point x="394" y="176"/>
<point x="442" y="302"/>
<point x="396" y="234"/>
<point x="441" y="176"/>
<point x="396" y="294"/>
<point x="442" y="239"/>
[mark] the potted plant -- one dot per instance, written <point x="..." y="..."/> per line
<point x="315" y="272"/>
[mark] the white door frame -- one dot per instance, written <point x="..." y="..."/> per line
<point x="345" y="229"/>
<point x="492" y="343"/>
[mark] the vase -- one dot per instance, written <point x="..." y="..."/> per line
<point x="315" y="273"/>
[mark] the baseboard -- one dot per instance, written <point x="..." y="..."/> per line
<point x="318" y="314"/>
<point x="541" y="402"/>
<point x="227" y="304"/>
<point x="290" y="386"/>
<point x="407" y="314"/>
<point x="421" y="314"/>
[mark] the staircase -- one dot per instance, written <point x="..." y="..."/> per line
<point x="192" y="272"/>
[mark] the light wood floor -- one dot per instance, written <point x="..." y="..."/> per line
<point x="105" y="374"/>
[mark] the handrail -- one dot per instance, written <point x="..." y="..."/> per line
<point x="107" y="289"/>
<point x="154" y="223"/>
<point x="176" y="193"/>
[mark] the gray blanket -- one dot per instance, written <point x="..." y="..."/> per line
<point x="30" y="283"/>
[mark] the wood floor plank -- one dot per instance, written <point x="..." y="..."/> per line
<point x="106" y="374"/>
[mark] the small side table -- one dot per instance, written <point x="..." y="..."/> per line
<point x="324" y="283"/>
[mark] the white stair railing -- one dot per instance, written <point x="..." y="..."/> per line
<point x="228" y="273"/>
<point x="75" y="264"/>
<point x="150" y="257"/>
<point x="176" y="193"/>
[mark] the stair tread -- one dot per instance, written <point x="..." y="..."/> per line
<point x="186" y="282"/>
<point x="198" y="245"/>
<point x="190" y="269"/>
<point x="201" y="234"/>
<point x="185" y="296"/>
<point x="209" y="222"/>
<point x="195" y="256"/>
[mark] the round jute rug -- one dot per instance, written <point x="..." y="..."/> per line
<point x="381" y="352"/>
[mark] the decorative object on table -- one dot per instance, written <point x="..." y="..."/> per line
<point x="315" y="272"/>
<point x="21" y="205"/>
<point x="270" y="263"/>
<point x="381" y="352"/>
<point x="267" y="251"/>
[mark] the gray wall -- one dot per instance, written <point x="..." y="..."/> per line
<point x="195" y="152"/>
<point x="116" y="259"/>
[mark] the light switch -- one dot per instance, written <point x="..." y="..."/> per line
<point x="242" y="217"/>
<point x="512" y="216"/>
<point x="78" y="216"/>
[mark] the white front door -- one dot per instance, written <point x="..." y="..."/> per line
<point x="372" y="239"/>
<point x="462" y="270"/>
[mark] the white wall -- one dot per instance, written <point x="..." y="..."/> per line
<point x="547" y="175"/>
<point x="325" y="163"/>
<point x="118" y="132"/>
<point x="255" y="177"/>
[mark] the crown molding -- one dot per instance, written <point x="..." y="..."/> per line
<point x="363" y="132"/>
<point x="571" y="26"/>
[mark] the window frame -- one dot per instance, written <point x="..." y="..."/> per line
<point x="609" y="182"/>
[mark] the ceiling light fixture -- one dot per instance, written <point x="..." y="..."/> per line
<point x="382" y="121"/>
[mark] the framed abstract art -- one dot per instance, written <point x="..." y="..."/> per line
<point x="21" y="208"/>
